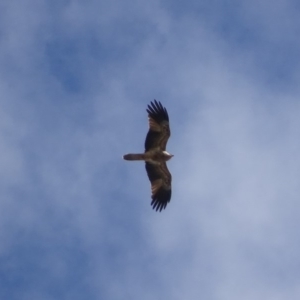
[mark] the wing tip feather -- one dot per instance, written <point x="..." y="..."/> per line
<point x="161" y="199"/>
<point x="157" y="111"/>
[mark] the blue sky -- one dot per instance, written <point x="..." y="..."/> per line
<point x="75" y="80"/>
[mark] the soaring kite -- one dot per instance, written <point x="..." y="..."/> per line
<point x="155" y="155"/>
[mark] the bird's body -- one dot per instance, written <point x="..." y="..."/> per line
<point x="155" y="155"/>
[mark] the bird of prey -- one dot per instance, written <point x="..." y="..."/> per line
<point x="155" y="155"/>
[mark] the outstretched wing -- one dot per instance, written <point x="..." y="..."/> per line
<point x="159" y="130"/>
<point x="160" y="179"/>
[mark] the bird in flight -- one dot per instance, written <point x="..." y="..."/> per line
<point x="155" y="155"/>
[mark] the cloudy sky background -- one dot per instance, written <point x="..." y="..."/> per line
<point x="75" y="80"/>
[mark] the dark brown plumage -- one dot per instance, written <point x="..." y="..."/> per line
<point x="155" y="155"/>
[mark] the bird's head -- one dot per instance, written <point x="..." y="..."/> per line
<point x="167" y="155"/>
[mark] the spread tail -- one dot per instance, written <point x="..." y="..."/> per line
<point x="134" y="156"/>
